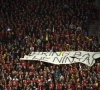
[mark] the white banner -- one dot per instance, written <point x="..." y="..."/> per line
<point x="87" y="58"/>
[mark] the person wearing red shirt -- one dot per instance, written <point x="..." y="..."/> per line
<point x="40" y="86"/>
<point x="69" y="87"/>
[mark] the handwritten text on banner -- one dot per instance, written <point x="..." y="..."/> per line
<point x="87" y="58"/>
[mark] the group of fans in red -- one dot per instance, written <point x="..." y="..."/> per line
<point x="47" y="26"/>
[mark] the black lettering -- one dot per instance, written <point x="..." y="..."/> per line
<point x="34" y="58"/>
<point x="77" y="54"/>
<point x="56" y="53"/>
<point x="45" y="58"/>
<point x="59" y="60"/>
<point x="73" y="60"/>
<point x="50" y="53"/>
<point x="63" y="59"/>
<point x="38" y="53"/>
<point x="87" y="58"/>
<point x="44" y="53"/>
<point x="32" y="53"/>
<point x="92" y="62"/>
<point x="86" y="54"/>
<point x="94" y="55"/>
<point x="67" y="58"/>
<point x="79" y="58"/>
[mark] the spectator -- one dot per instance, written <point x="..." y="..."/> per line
<point x="41" y="25"/>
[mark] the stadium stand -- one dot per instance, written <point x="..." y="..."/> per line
<point x="46" y="25"/>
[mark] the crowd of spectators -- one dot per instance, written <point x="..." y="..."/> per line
<point x="46" y="25"/>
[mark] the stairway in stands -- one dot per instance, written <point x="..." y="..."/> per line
<point x="94" y="27"/>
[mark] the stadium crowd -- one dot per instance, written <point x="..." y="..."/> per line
<point x="46" y="25"/>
